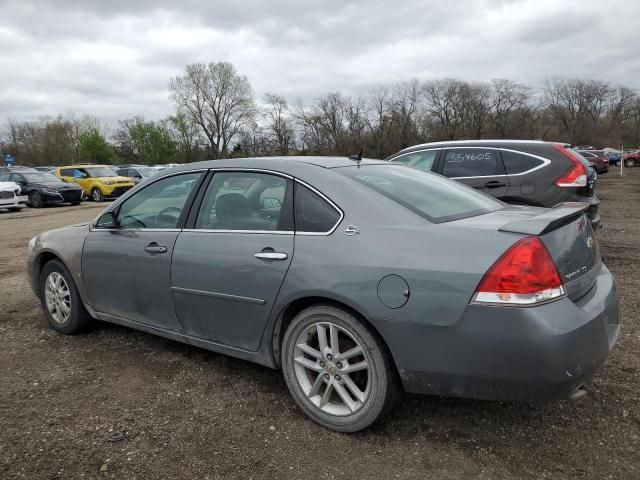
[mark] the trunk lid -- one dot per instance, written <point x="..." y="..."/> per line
<point x="566" y="232"/>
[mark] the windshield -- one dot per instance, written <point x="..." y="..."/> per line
<point x="101" y="172"/>
<point x="436" y="198"/>
<point x="40" y="177"/>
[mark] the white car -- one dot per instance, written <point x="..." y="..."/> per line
<point x="11" y="197"/>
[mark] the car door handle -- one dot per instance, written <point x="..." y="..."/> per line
<point x="155" y="248"/>
<point x="271" y="255"/>
<point x="495" y="184"/>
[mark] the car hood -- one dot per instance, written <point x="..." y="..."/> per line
<point x="8" y="186"/>
<point x="55" y="185"/>
<point x="117" y="179"/>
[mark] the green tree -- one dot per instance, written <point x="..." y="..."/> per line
<point x="94" y="147"/>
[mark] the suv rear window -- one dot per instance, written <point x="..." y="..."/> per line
<point x="516" y="162"/>
<point x="431" y="196"/>
<point x="470" y="162"/>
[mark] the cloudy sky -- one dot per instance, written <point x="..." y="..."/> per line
<point x="113" y="58"/>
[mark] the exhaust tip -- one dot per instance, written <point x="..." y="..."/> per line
<point x="578" y="393"/>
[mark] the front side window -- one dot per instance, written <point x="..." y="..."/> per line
<point x="313" y="213"/>
<point x="470" y="162"/>
<point x="246" y="201"/>
<point x="431" y="196"/>
<point x="422" y="160"/>
<point x="159" y="205"/>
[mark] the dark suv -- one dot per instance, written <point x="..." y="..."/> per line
<point x="526" y="172"/>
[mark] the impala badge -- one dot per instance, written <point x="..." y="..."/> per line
<point x="351" y="230"/>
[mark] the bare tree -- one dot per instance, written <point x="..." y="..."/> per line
<point x="279" y="126"/>
<point x="217" y="99"/>
<point x="508" y="107"/>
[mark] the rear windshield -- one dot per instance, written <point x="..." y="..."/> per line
<point x="432" y="196"/>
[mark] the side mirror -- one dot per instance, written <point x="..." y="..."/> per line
<point x="106" y="220"/>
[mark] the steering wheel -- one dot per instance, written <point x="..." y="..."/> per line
<point x="168" y="217"/>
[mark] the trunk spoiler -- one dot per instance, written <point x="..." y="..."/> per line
<point x="551" y="219"/>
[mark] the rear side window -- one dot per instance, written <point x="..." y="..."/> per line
<point x="422" y="160"/>
<point x="431" y="196"/>
<point x="470" y="162"/>
<point x="313" y="213"/>
<point x="516" y="162"/>
<point x="67" y="172"/>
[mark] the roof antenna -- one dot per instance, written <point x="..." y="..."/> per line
<point x="357" y="157"/>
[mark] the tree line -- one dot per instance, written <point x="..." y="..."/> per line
<point x="217" y="116"/>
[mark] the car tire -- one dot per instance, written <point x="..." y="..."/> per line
<point x="35" y="200"/>
<point x="630" y="163"/>
<point x="62" y="305"/>
<point x="97" y="195"/>
<point x="318" y="381"/>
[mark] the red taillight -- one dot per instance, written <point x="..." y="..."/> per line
<point x="525" y="274"/>
<point x="576" y="176"/>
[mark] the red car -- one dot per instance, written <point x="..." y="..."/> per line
<point x="632" y="159"/>
<point x="597" y="159"/>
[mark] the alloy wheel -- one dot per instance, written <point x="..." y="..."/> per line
<point x="332" y="369"/>
<point x="57" y="297"/>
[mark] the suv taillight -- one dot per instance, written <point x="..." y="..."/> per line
<point x="576" y="176"/>
<point x="524" y="275"/>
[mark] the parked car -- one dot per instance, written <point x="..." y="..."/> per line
<point x="353" y="277"/>
<point x="527" y="172"/>
<point x="46" y="169"/>
<point x="632" y="159"/>
<point x="16" y="168"/>
<point x="584" y="147"/>
<point x="597" y="159"/>
<point x="614" y="155"/>
<point x="43" y="188"/>
<point x="11" y="198"/>
<point x="98" y="181"/>
<point x="137" y="173"/>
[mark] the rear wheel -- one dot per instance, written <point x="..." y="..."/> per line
<point x="630" y="162"/>
<point x="35" y="200"/>
<point x="337" y="371"/>
<point x="60" y="300"/>
<point x="96" y="195"/>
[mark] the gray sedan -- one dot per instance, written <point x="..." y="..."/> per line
<point x="357" y="278"/>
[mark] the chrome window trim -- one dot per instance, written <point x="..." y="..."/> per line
<point x="326" y="199"/>
<point x="92" y="228"/>
<point x="213" y="230"/>
<point x="545" y="162"/>
<point x="416" y="151"/>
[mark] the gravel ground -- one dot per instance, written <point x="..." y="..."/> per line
<point x="116" y="403"/>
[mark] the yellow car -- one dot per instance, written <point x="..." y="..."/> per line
<point x="98" y="181"/>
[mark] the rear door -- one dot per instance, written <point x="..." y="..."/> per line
<point x="478" y="167"/>
<point x="228" y="267"/>
<point x="519" y="166"/>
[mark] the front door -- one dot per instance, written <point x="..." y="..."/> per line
<point x="127" y="268"/>
<point x="228" y="268"/>
<point x="480" y="168"/>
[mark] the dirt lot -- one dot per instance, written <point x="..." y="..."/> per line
<point x="188" y="413"/>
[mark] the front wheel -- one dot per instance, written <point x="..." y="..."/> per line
<point x="630" y="163"/>
<point x="337" y="371"/>
<point x="97" y="195"/>
<point x="60" y="300"/>
<point x="35" y="200"/>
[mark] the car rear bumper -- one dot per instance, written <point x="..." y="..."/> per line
<point x="511" y="354"/>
